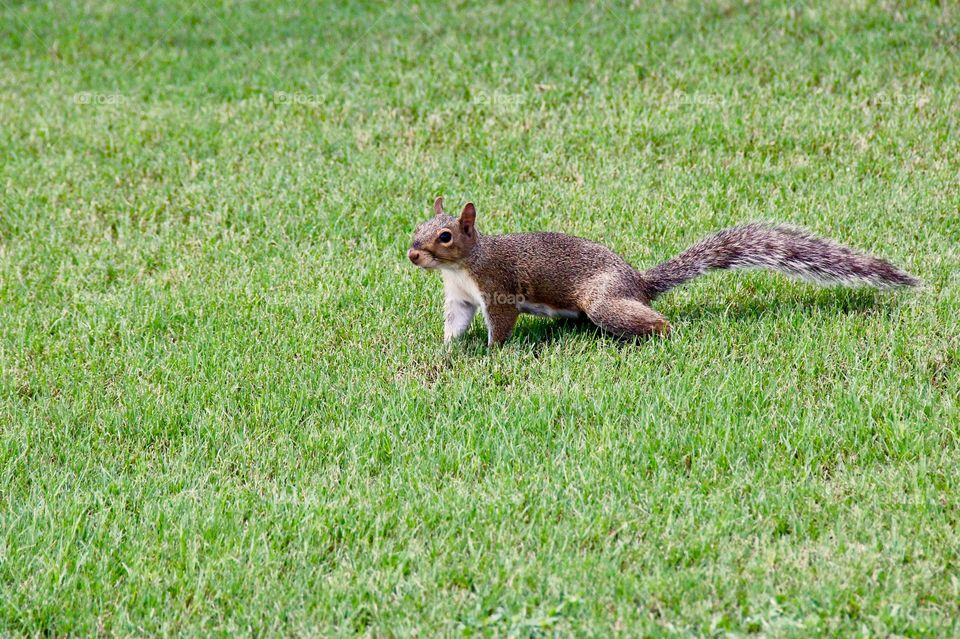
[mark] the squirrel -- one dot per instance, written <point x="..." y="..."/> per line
<point x="557" y="275"/>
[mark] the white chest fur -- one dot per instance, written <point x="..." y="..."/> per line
<point x="458" y="286"/>
<point x="463" y="298"/>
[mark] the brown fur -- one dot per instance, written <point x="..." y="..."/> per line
<point x="554" y="273"/>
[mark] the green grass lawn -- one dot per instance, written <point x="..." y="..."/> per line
<point x="225" y="404"/>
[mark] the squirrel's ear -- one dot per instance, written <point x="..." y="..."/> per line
<point x="438" y="206"/>
<point x="468" y="216"/>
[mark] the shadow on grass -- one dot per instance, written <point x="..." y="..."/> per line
<point x="542" y="331"/>
<point x="751" y="307"/>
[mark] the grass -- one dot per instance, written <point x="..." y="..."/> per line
<point x="225" y="405"/>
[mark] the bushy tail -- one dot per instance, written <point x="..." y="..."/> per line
<point x="780" y="248"/>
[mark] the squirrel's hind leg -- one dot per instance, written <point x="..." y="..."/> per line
<point x="626" y="317"/>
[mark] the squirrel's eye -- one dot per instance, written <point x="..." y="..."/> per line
<point x="445" y="237"/>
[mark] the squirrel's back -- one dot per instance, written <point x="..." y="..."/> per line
<point x="553" y="267"/>
<point x="550" y="267"/>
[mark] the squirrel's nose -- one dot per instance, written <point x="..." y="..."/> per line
<point x="414" y="255"/>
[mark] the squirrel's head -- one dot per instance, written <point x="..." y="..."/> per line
<point x="444" y="240"/>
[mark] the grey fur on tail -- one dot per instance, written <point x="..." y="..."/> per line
<point x="785" y="249"/>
